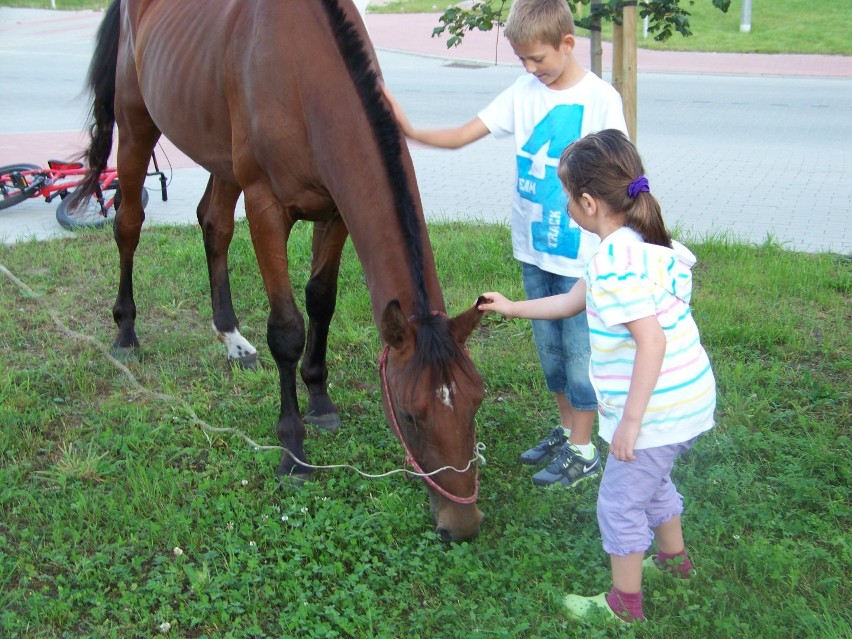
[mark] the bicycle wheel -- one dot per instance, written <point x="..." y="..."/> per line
<point x="90" y="213"/>
<point x="11" y="192"/>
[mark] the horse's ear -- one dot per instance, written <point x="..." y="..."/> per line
<point x="462" y="325"/>
<point x="396" y="331"/>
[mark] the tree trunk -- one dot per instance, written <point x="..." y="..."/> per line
<point x="596" y="46"/>
<point x="617" y="57"/>
<point x="628" y="78"/>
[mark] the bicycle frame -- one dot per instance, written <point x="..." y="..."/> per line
<point x="61" y="178"/>
<point x="58" y="179"/>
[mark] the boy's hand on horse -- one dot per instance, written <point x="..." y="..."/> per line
<point x="397" y="111"/>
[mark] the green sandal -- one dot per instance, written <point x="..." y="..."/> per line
<point x="586" y="607"/>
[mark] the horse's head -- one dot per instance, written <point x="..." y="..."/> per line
<point x="432" y="393"/>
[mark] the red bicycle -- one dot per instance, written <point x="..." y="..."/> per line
<point x="19" y="182"/>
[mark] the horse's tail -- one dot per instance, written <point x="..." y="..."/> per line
<point x="101" y="82"/>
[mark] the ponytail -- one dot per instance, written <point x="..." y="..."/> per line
<point x="646" y="218"/>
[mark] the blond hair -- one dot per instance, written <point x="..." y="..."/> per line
<point x="534" y="21"/>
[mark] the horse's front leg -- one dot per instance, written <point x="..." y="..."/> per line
<point x="320" y="298"/>
<point x="216" y="219"/>
<point x="270" y="227"/>
<point x="286" y="339"/>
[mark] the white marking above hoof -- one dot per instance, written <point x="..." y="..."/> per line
<point x="237" y="346"/>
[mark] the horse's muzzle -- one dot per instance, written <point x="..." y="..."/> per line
<point x="456" y="522"/>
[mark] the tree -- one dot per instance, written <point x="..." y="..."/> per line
<point x="664" y="18"/>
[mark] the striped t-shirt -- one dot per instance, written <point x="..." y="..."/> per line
<point x="627" y="280"/>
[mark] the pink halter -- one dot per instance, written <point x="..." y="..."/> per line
<point x="409" y="458"/>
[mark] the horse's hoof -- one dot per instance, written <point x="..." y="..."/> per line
<point x="294" y="481"/>
<point x="246" y="362"/>
<point x="329" y="422"/>
<point x="125" y="353"/>
<point x="292" y="473"/>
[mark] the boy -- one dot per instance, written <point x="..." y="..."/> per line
<point x="555" y="104"/>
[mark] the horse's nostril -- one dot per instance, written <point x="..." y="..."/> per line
<point x="445" y="535"/>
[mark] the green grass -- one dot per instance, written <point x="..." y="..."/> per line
<point x="778" y="26"/>
<point x="99" y="486"/>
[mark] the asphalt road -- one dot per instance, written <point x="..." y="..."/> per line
<point x="748" y="157"/>
<point x="752" y="157"/>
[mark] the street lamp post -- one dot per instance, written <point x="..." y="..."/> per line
<point x="745" y="17"/>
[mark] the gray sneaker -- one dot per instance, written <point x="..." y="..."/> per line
<point x="546" y="448"/>
<point x="568" y="468"/>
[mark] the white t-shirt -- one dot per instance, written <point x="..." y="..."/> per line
<point x="544" y="121"/>
<point x="627" y="280"/>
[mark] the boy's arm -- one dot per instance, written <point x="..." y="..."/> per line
<point x="650" y="351"/>
<point x="554" y="307"/>
<point x="448" y="138"/>
<point x="451" y="138"/>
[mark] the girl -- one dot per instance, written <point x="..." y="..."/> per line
<point x="654" y="384"/>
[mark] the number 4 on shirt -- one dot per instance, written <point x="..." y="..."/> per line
<point x="539" y="183"/>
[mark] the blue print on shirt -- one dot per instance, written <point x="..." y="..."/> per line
<point x="539" y="183"/>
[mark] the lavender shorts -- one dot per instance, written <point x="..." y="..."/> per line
<point x="637" y="496"/>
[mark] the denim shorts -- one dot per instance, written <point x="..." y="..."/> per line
<point x="563" y="345"/>
<point x="637" y="496"/>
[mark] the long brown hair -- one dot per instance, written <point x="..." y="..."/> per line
<point x="604" y="165"/>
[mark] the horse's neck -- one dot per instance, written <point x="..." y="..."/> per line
<point x="371" y="176"/>
<point x="390" y="272"/>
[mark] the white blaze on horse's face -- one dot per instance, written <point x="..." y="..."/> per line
<point x="445" y="395"/>
<point x="238" y="346"/>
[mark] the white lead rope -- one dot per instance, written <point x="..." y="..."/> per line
<point x="207" y="428"/>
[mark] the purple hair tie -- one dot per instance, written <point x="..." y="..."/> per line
<point x="637" y="186"/>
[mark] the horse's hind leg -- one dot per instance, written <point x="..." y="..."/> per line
<point x="137" y="136"/>
<point x="216" y="218"/>
<point x="320" y="299"/>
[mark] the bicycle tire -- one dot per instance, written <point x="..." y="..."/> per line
<point x="88" y="213"/>
<point x="10" y="195"/>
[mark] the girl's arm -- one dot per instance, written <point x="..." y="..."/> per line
<point x="650" y="351"/>
<point x="448" y="138"/>
<point x="554" y="307"/>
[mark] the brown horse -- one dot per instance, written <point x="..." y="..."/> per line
<point x="281" y="100"/>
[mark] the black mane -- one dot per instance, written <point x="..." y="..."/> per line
<point x="387" y="134"/>
<point x="436" y="348"/>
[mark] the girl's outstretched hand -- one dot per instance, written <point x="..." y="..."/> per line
<point x="495" y="302"/>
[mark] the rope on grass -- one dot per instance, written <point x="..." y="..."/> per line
<point x="193" y="416"/>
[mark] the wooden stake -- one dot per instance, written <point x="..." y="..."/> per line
<point x="617" y="57"/>
<point x="629" y="77"/>
<point x="596" y="45"/>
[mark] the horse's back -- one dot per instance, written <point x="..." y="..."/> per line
<point x="232" y="83"/>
